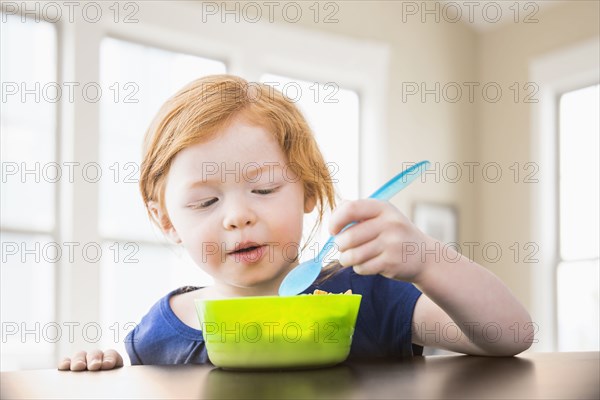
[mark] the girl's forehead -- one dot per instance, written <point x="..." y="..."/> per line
<point x="240" y="147"/>
<point x="240" y="140"/>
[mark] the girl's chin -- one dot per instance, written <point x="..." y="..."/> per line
<point x="262" y="284"/>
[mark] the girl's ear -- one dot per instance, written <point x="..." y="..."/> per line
<point x="165" y="223"/>
<point x="309" y="204"/>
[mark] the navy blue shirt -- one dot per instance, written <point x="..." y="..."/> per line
<point x="383" y="326"/>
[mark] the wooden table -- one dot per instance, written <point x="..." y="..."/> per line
<point x="538" y="376"/>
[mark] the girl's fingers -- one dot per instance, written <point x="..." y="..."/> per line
<point x="358" y="234"/>
<point x="351" y="211"/>
<point x="78" y="362"/>
<point x="64" y="364"/>
<point x="94" y="360"/>
<point x="371" y="267"/>
<point x="361" y="254"/>
<point x="111" y="360"/>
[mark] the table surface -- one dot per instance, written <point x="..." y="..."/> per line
<point x="541" y="376"/>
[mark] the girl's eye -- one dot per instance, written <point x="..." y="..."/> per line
<point x="265" y="191"/>
<point x="205" y="204"/>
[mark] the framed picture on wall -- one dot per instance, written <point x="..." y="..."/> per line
<point x="437" y="220"/>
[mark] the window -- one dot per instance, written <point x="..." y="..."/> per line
<point x="577" y="273"/>
<point x="27" y="206"/>
<point x="140" y="258"/>
<point x="333" y="115"/>
<point x="564" y="136"/>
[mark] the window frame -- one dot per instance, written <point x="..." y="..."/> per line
<point x="557" y="73"/>
<point x="54" y="232"/>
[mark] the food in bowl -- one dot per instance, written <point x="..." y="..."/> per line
<point x="270" y="332"/>
<point x="319" y="291"/>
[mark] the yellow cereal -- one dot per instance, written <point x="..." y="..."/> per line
<point x="318" y="291"/>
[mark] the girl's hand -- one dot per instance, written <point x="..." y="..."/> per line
<point x="384" y="242"/>
<point x="92" y="361"/>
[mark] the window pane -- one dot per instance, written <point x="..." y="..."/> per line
<point x="577" y="281"/>
<point x="578" y="306"/>
<point x="28" y="123"/>
<point x="579" y="173"/>
<point x="131" y="71"/>
<point x="28" y="320"/>
<point x="333" y="115"/>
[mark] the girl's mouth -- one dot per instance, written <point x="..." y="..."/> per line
<point x="249" y="255"/>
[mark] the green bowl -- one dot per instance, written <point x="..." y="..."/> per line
<point x="278" y="332"/>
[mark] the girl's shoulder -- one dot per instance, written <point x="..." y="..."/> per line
<point x="181" y="302"/>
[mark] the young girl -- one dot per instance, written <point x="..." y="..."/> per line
<point x="228" y="171"/>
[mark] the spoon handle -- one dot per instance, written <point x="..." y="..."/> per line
<point x="385" y="192"/>
<point x="400" y="181"/>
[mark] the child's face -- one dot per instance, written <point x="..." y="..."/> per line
<point x="218" y="198"/>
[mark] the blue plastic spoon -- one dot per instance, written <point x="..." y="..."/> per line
<point x="306" y="273"/>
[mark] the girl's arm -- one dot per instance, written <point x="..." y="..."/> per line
<point x="464" y="307"/>
<point x="463" y="295"/>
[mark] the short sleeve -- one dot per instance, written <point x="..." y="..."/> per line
<point x="130" y="348"/>
<point x="162" y="339"/>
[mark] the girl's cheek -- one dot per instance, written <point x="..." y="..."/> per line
<point x="290" y="230"/>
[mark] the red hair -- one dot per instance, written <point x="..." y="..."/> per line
<point x="204" y="107"/>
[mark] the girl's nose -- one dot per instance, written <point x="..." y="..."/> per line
<point x="238" y="216"/>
